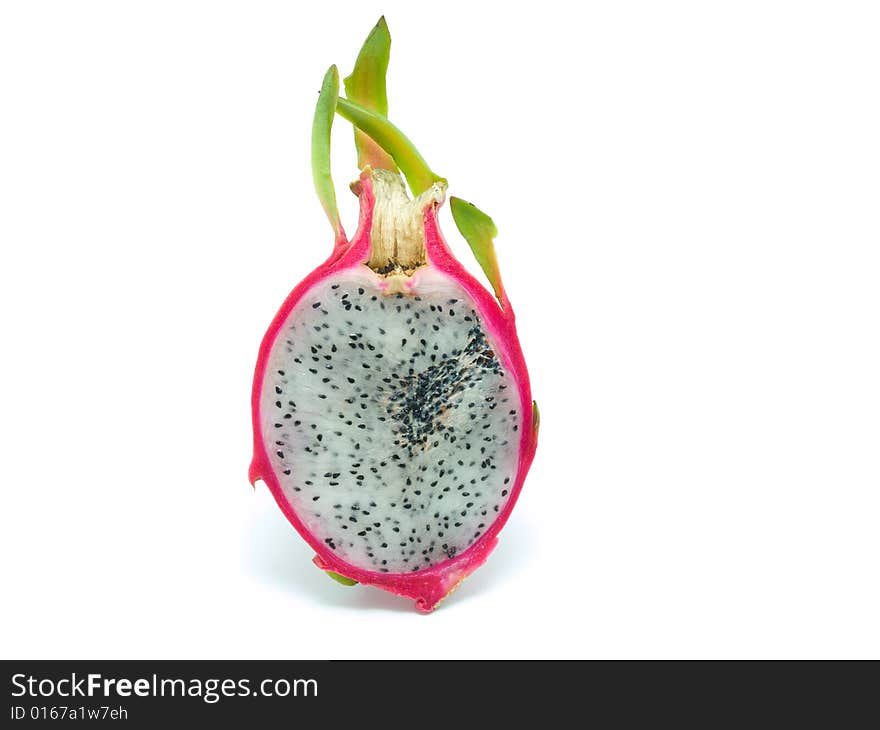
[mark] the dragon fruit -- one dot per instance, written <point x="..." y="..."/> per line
<point x="392" y="413"/>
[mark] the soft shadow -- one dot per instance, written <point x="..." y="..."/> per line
<point x="515" y="548"/>
<point x="275" y="553"/>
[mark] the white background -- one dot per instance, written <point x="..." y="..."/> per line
<point x="687" y="195"/>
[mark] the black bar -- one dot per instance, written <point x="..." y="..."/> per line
<point x="454" y="693"/>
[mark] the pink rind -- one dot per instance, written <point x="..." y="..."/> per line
<point x="428" y="587"/>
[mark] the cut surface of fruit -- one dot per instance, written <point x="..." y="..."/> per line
<point x="394" y="423"/>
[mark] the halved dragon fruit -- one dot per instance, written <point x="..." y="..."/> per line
<point x="393" y="419"/>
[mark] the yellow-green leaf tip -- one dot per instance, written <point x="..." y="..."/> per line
<point x="479" y="230"/>
<point x="325" y="111"/>
<point x="366" y="86"/>
<point x="341" y="578"/>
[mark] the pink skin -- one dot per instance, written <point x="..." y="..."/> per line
<point x="430" y="586"/>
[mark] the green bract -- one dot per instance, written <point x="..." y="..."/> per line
<point x="366" y="86"/>
<point x="381" y="145"/>
<point x="321" y="126"/>
<point x="479" y="231"/>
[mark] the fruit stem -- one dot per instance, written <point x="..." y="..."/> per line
<point x="419" y="176"/>
<point x="366" y="86"/>
<point x="322" y="124"/>
<point x="479" y="231"/>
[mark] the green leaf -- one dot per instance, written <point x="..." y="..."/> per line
<point x="366" y="86"/>
<point x="341" y="578"/>
<point x="322" y="124"/>
<point x="419" y="176"/>
<point x="536" y="418"/>
<point x="479" y="231"/>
